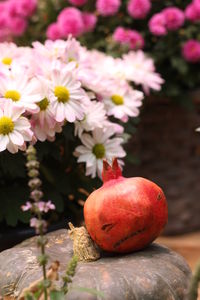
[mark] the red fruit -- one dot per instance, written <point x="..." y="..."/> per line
<point x="125" y="214"/>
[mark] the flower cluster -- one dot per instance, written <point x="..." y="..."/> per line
<point x="132" y="38"/>
<point x="71" y="21"/>
<point x="50" y="85"/>
<point x="170" y="18"/>
<point x="13" y="17"/>
<point x="191" y="51"/>
<point x="192" y="11"/>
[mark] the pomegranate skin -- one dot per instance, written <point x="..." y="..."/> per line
<point x="125" y="214"/>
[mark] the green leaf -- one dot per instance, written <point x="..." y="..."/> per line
<point x="57" y="295"/>
<point x="13" y="165"/>
<point x="89" y="291"/>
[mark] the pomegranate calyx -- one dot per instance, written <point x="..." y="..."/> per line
<point x="111" y="172"/>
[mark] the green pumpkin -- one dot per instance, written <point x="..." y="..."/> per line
<point x="155" y="273"/>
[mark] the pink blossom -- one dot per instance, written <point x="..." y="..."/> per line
<point x="139" y="9"/>
<point x="89" y="21"/>
<point x="53" y="32"/>
<point x="37" y="224"/>
<point x="191" y="51"/>
<point x="174" y="17"/>
<point x="77" y="2"/>
<point x="70" y="22"/>
<point x="17" y="25"/>
<point x="45" y="206"/>
<point x="157" y="25"/>
<point x="108" y="7"/>
<point x="192" y="11"/>
<point x="26" y="8"/>
<point x="27" y="206"/>
<point x="130" y="37"/>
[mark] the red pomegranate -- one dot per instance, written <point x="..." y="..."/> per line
<point x="125" y="214"/>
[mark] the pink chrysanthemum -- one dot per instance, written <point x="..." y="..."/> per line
<point x="70" y="22"/>
<point x="77" y="2"/>
<point x="174" y="17"/>
<point x="108" y="7"/>
<point x="130" y="37"/>
<point x="191" y="51"/>
<point x="157" y="25"/>
<point x="139" y="9"/>
<point x="53" y="32"/>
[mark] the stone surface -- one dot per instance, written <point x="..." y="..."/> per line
<point x="169" y="152"/>
<point x="154" y="273"/>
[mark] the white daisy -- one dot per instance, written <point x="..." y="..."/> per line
<point x="43" y="122"/>
<point x="14" y="129"/>
<point x="141" y="70"/>
<point x="123" y="103"/>
<point x="97" y="147"/>
<point x="94" y="117"/>
<point x="20" y="90"/>
<point x="8" y="53"/>
<point x="51" y="49"/>
<point x="66" y="95"/>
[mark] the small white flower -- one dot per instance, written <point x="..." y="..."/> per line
<point x="97" y="147"/>
<point x="51" y="49"/>
<point x="20" y="90"/>
<point x="94" y="117"/>
<point x="141" y="70"/>
<point x="66" y="95"/>
<point x="8" y="53"/>
<point x="14" y="129"/>
<point x="123" y="103"/>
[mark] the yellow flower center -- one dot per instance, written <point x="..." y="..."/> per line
<point x="12" y="94"/>
<point x="43" y="104"/>
<point x="7" y="61"/>
<point x="99" y="150"/>
<point x="62" y="93"/>
<point x="70" y="59"/>
<point x="117" y="99"/>
<point x="6" y="125"/>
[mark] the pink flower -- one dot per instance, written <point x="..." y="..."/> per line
<point x="174" y="17"/>
<point x="108" y="7"/>
<point x="70" y="22"/>
<point x="77" y="2"/>
<point x="45" y="206"/>
<point x="157" y="25"/>
<point x="27" y="206"/>
<point x="89" y="21"/>
<point x="191" y="51"/>
<point x="130" y="37"/>
<point x="17" y="25"/>
<point x="139" y="9"/>
<point x="26" y="8"/>
<point x="53" y="32"/>
<point x="192" y="11"/>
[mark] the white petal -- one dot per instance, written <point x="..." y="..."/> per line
<point x="87" y="140"/>
<point x="4" y="140"/>
<point x="16" y="138"/>
<point x="12" y="148"/>
<point x="22" y="124"/>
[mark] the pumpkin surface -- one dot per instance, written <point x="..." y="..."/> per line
<point x="155" y="273"/>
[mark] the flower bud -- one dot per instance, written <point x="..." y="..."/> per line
<point x="34" y="183"/>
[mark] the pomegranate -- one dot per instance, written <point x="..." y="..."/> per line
<point x="125" y="214"/>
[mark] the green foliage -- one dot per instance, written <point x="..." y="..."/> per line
<point x="193" y="291"/>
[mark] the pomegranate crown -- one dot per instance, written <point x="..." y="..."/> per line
<point x="111" y="172"/>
